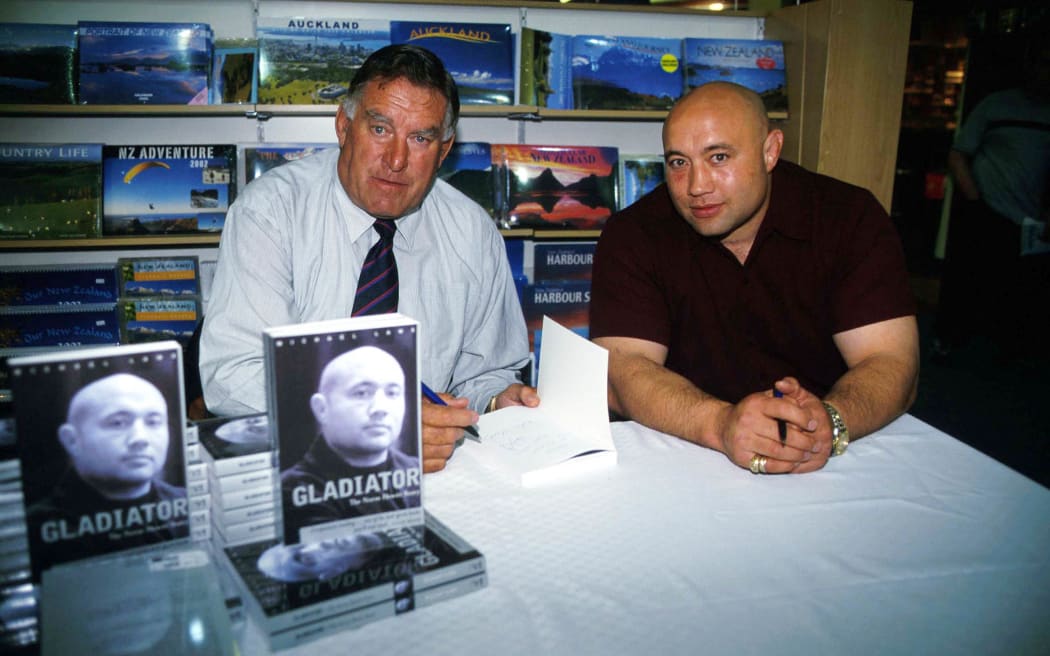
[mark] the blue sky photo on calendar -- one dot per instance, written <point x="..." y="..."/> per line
<point x="167" y="189"/>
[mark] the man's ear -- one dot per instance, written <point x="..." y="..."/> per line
<point x="319" y="406"/>
<point x="446" y="148"/>
<point x="67" y="435"/>
<point x="771" y="148"/>
<point x="342" y="126"/>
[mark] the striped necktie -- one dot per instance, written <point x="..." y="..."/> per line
<point x="377" y="285"/>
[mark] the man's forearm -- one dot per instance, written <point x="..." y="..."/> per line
<point x="875" y="392"/>
<point x="661" y="399"/>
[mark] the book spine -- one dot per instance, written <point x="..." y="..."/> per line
<point x="302" y="634"/>
<point x="451" y="590"/>
<point x="251" y="480"/>
<point x="234" y="465"/>
<point x="471" y="567"/>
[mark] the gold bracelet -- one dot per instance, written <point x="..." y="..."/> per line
<point x="492" y="404"/>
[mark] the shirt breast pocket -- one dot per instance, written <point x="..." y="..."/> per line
<point x="443" y="325"/>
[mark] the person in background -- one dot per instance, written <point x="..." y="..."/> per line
<point x="747" y="292"/>
<point x="994" y="281"/>
<point x="296" y="239"/>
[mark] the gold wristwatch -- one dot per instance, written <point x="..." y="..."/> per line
<point x="839" y="432"/>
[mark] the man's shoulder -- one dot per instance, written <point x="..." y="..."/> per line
<point x="293" y="176"/>
<point x="652" y="211"/>
<point x="455" y="208"/>
<point x="799" y="187"/>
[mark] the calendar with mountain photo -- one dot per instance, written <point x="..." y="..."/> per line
<point x="626" y="72"/>
<point x="557" y="186"/>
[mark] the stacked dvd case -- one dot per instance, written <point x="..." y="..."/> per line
<point x="19" y="625"/>
<point x="298" y="593"/>
<point x="238" y="457"/>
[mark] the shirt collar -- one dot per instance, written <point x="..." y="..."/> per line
<point x="361" y="221"/>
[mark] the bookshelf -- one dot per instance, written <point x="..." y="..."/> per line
<point x="809" y="128"/>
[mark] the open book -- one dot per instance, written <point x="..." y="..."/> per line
<point x="569" y="432"/>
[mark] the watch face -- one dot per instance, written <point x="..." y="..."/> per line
<point x="838" y="446"/>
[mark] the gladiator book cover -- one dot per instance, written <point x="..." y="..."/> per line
<point x="639" y="174"/>
<point x="58" y="284"/>
<point x="172" y="276"/>
<point x="545" y="71"/>
<point x="125" y="63"/>
<point x="37" y="64"/>
<point x="158" y="318"/>
<point x="468" y="168"/>
<point x="256" y="159"/>
<point x="167" y="189"/>
<point x="343" y="399"/>
<point x="626" y="72"/>
<point x="311" y="60"/>
<point x="103" y="464"/>
<point x="50" y="191"/>
<point x="300" y="592"/>
<point x="556" y="186"/>
<point x="753" y="63"/>
<point x="478" y="56"/>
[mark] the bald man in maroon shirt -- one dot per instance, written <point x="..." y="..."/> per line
<point x="744" y="275"/>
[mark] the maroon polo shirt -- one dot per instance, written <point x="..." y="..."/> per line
<point x="826" y="259"/>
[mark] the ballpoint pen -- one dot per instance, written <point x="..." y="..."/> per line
<point x="472" y="432"/>
<point x="782" y="428"/>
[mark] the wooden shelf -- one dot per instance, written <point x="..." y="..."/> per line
<point x="180" y="241"/>
<point x="264" y="112"/>
<point x="149" y="241"/>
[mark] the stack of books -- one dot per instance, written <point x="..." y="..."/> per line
<point x="238" y="456"/>
<point x="302" y="592"/>
<point x="160" y="298"/>
<point x="18" y="595"/>
<point x="46" y="307"/>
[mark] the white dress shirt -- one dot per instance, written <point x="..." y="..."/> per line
<point x="291" y="251"/>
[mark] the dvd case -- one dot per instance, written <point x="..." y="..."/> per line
<point x="103" y="465"/>
<point x="343" y="402"/>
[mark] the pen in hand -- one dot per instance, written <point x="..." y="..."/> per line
<point x="472" y="432"/>
<point x="782" y="428"/>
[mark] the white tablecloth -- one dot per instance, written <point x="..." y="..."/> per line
<point x="911" y="543"/>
